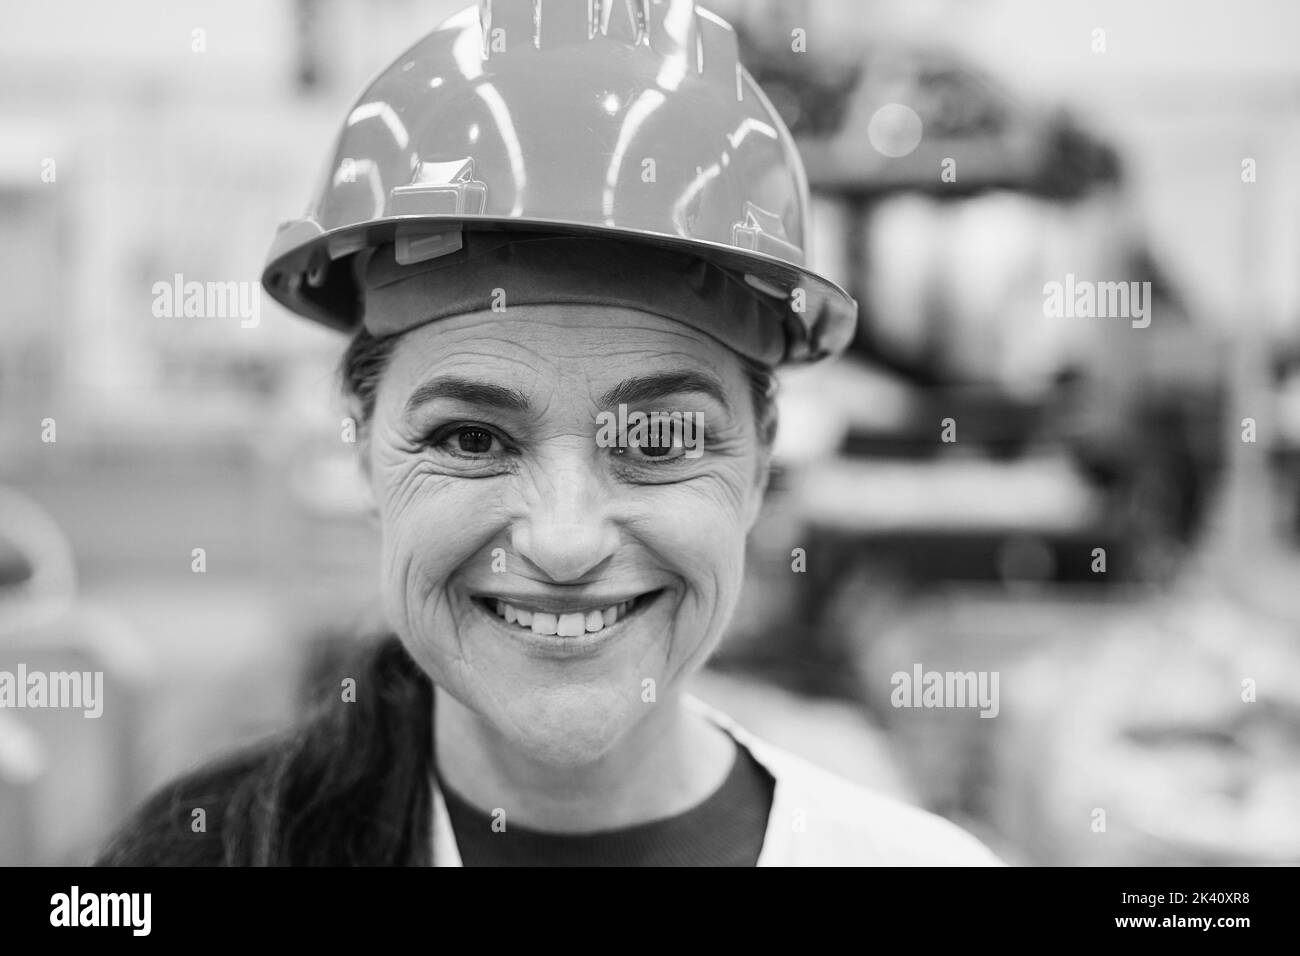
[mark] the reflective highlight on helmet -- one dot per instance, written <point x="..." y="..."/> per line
<point x="627" y="118"/>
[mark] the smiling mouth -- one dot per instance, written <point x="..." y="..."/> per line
<point x="574" y="623"/>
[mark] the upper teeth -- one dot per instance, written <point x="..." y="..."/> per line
<point x="565" y="625"/>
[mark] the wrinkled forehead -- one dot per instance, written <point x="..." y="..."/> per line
<point x="561" y="353"/>
<point x="576" y="350"/>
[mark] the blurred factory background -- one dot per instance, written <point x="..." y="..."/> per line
<point x="1108" y="533"/>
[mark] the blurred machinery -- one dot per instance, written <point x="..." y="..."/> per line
<point x="979" y="478"/>
<point x="973" y="437"/>
<point x="1067" y="434"/>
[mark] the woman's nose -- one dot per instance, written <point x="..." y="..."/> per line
<point x="566" y="532"/>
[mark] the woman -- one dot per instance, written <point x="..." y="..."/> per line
<point x="539" y="231"/>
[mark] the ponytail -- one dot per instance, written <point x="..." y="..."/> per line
<point x="350" y="788"/>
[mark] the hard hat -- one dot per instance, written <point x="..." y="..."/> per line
<point x="622" y="119"/>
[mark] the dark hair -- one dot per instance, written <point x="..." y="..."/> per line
<point x="349" y="787"/>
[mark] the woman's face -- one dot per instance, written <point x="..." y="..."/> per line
<point x="506" y="518"/>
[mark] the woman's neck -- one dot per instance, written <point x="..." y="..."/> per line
<point x="669" y="762"/>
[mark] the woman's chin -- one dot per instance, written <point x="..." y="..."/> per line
<point x="570" y="727"/>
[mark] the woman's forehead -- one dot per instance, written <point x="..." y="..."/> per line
<point x="589" y="349"/>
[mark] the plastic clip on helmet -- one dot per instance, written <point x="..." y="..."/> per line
<point x="623" y="120"/>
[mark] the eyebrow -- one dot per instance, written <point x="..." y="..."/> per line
<point x="641" y="390"/>
<point x="647" y="388"/>
<point x="470" y="392"/>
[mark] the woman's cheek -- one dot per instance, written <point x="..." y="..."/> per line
<point x="698" y="529"/>
<point x="432" y="526"/>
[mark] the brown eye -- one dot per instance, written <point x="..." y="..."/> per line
<point x="474" y="441"/>
<point x="659" y="444"/>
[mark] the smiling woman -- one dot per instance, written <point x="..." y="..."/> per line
<point x="550" y="592"/>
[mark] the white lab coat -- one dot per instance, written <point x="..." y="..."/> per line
<point x="817" y="819"/>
